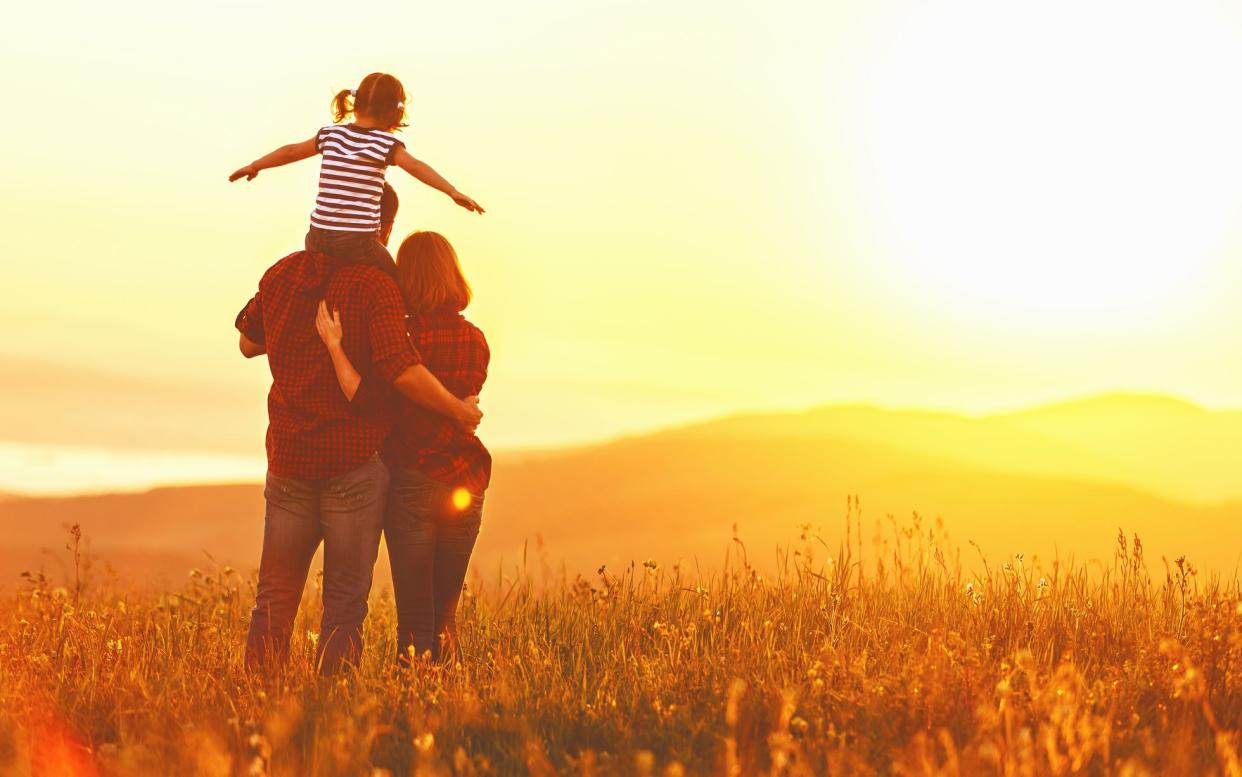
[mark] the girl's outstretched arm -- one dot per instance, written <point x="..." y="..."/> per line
<point x="293" y="152"/>
<point x="329" y="327"/>
<point x="423" y="172"/>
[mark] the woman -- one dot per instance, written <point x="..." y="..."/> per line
<point x="439" y="471"/>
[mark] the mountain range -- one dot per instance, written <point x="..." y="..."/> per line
<point x="1057" y="481"/>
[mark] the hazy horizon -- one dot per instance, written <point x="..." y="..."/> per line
<point x="35" y="469"/>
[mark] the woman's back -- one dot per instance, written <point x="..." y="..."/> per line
<point x="456" y="352"/>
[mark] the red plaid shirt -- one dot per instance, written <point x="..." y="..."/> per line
<point x="312" y="433"/>
<point x="455" y="351"/>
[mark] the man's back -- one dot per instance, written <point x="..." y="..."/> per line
<point x="312" y="433"/>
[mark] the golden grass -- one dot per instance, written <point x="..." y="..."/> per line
<point x="921" y="663"/>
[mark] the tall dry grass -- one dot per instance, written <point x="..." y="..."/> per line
<point x="922" y="661"/>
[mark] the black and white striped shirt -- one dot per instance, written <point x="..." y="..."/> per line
<point x="351" y="177"/>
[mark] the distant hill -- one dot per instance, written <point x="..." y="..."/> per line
<point x="1163" y="444"/>
<point x="1060" y="479"/>
<point x="1158" y="444"/>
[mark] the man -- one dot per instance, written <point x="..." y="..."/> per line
<point x="325" y="481"/>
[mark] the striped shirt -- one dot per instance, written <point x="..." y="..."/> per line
<point x="351" y="177"/>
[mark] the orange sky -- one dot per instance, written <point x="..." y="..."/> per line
<point x="692" y="208"/>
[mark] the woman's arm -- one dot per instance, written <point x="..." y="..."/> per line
<point x="423" y="172"/>
<point x="329" y="328"/>
<point x="293" y="152"/>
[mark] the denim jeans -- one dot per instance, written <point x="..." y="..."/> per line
<point x="429" y="543"/>
<point x="346" y="513"/>
<point x="352" y="247"/>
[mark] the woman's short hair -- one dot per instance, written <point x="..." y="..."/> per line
<point x="430" y="276"/>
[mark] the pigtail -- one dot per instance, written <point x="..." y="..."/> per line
<point x="342" y="105"/>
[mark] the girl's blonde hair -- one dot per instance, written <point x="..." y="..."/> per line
<point x="430" y="276"/>
<point x="379" y="96"/>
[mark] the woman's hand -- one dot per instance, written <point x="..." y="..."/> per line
<point x="466" y="202"/>
<point x="329" y="326"/>
<point x="248" y="172"/>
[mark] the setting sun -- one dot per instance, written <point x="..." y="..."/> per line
<point x="1075" y="163"/>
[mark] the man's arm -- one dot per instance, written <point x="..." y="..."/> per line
<point x="250" y="348"/>
<point x="419" y="386"/>
<point x="249" y="323"/>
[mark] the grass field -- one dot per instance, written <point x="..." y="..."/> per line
<point x="925" y="660"/>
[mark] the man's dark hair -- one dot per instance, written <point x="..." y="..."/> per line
<point x="388" y="212"/>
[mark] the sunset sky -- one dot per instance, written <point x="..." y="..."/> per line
<point x="693" y="208"/>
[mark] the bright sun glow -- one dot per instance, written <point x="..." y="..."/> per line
<point x="1058" y="162"/>
<point x="461" y="499"/>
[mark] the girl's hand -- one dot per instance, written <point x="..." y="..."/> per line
<point x="248" y="172"/>
<point x="328" y="326"/>
<point x="466" y="202"/>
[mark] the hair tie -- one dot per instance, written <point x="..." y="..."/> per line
<point x="353" y="92"/>
<point x="401" y="106"/>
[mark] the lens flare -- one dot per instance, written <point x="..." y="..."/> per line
<point x="461" y="498"/>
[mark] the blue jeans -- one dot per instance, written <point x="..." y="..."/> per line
<point x="346" y="513"/>
<point x="429" y="543"/>
<point x="352" y="247"/>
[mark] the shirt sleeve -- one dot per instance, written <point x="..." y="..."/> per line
<point x="392" y="152"/>
<point x="391" y="349"/>
<point x="320" y="137"/>
<point x="372" y="399"/>
<point x="249" y="321"/>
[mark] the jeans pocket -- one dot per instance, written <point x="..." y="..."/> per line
<point x="357" y="494"/>
<point x="414" y="500"/>
<point x="285" y="492"/>
<point x="359" y="488"/>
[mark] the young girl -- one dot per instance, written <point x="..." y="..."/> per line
<point x="440" y="471"/>
<point x="346" y="219"/>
